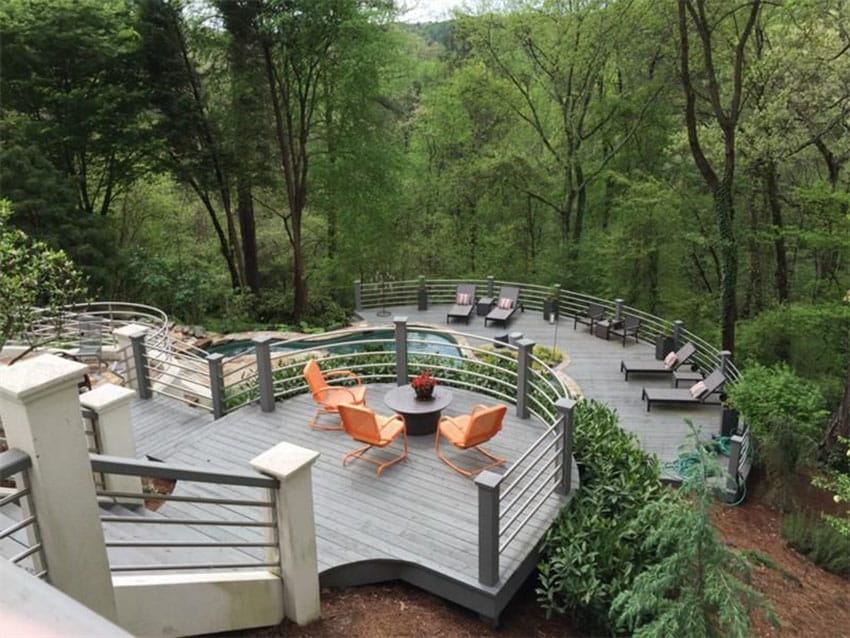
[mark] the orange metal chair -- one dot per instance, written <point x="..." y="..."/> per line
<point x="470" y="431"/>
<point x="330" y="397"/>
<point x="363" y="425"/>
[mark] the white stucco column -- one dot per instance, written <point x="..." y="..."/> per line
<point x="291" y="464"/>
<point x="40" y="410"/>
<point x="111" y="404"/>
<point x="124" y="336"/>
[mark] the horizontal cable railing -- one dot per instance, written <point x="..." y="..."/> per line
<point x="529" y="482"/>
<point x="179" y="375"/>
<point x="63" y="330"/>
<point x="230" y="527"/>
<point x="20" y="541"/>
<point x="532" y="296"/>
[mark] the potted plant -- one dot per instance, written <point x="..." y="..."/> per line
<point x="423" y="385"/>
<point x="550" y="304"/>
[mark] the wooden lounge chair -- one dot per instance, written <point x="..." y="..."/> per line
<point x="506" y="306"/>
<point x="362" y="424"/>
<point x="659" y="367"/>
<point x="695" y="395"/>
<point x="591" y="315"/>
<point x="470" y="431"/>
<point x="464" y="303"/>
<point x="630" y="325"/>
<point x="330" y="397"/>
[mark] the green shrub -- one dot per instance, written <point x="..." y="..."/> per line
<point x="810" y="338"/>
<point x="592" y="553"/>
<point x="766" y="394"/>
<point x="816" y="539"/>
<point x="692" y="585"/>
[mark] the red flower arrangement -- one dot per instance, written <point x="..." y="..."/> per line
<point x="423" y="385"/>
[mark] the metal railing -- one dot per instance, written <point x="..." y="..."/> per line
<point x="236" y="531"/>
<point x="63" y="330"/>
<point x="533" y="297"/>
<point x="22" y="536"/>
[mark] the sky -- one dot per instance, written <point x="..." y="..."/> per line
<point x="427" y="10"/>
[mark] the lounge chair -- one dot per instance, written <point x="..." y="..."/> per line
<point x="630" y="325"/>
<point x="695" y="395"/>
<point x="464" y="303"/>
<point x="363" y="425"/>
<point x="470" y="431"/>
<point x="667" y="366"/>
<point x="330" y="397"/>
<point x="506" y="306"/>
<point x="591" y="315"/>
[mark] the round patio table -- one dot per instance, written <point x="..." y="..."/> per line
<point x="421" y="415"/>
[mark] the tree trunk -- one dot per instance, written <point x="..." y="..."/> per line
<point x="772" y="188"/>
<point x="581" y="202"/>
<point x="724" y="211"/>
<point x="248" y="231"/>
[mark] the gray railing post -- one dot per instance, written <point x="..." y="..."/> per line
<point x="566" y="407"/>
<point x="422" y="294"/>
<point x="262" y="349"/>
<point x="735" y="445"/>
<point x="358" y="295"/>
<point x="490" y="286"/>
<point x="677" y="333"/>
<point x="488" y="527"/>
<point x="216" y="383"/>
<point x="557" y="292"/>
<point x="524" y="350"/>
<point x="724" y="359"/>
<point x="140" y="362"/>
<point x="400" y="350"/>
<point x="618" y="309"/>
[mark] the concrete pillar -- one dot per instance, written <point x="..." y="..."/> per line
<point x="400" y="350"/>
<point x="131" y="343"/>
<point x="40" y="411"/>
<point x="263" y="353"/>
<point x="296" y="525"/>
<point x="111" y="404"/>
<point x="566" y="407"/>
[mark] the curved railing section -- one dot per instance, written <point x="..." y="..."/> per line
<point x="535" y="297"/>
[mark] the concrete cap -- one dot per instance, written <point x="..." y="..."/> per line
<point x="31" y="378"/>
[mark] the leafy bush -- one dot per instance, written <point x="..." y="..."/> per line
<point x="837" y="481"/>
<point x="822" y="543"/>
<point x="801" y="335"/>
<point x="694" y="585"/>
<point x="767" y="394"/>
<point x="592" y="553"/>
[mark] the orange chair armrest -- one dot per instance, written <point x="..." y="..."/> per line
<point x="345" y="373"/>
<point x="478" y="407"/>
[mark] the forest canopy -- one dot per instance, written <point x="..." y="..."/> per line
<point x="246" y="160"/>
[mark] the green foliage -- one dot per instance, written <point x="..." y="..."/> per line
<point x="764" y="394"/>
<point x="810" y="338"/>
<point x="592" y="552"/>
<point x="692" y="584"/>
<point x="822" y="543"/>
<point x="32" y="276"/>
<point x="837" y="481"/>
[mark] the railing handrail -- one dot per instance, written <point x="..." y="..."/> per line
<point x="13" y="461"/>
<point x="137" y="467"/>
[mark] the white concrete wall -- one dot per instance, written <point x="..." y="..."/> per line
<point x="191" y="604"/>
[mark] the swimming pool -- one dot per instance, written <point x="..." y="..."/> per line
<point x="425" y="342"/>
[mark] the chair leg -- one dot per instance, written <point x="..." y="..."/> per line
<point x="360" y="452"/>
<point x="314" y="422"/>
<point x="468" y="473"/>
<point x="400" y="457"/>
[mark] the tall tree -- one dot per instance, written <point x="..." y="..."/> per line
<point x="734" y="24"/>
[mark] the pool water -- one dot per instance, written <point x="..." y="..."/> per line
<point x="426" y="342"/>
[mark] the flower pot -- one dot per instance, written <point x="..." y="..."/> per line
<point x="425" y="395"/>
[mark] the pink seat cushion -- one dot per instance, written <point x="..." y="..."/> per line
<point x="670" y="360"/>
<point x="463" y="299"/>
<point x="505" y="303"/>
<point x="697" y="389"/>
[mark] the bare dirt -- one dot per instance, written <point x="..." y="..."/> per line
<point x="808" y="600"/>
